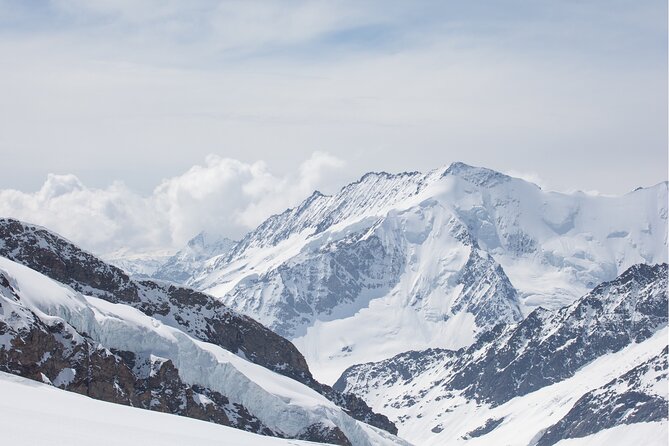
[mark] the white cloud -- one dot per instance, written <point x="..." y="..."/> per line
<point x="224" y="196"/>
<point x="132" y="89"/>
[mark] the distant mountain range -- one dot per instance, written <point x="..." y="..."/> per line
<point x="397" y="262"/>
<point x="458" y="306"/>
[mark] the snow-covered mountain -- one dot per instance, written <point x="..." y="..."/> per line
<point x="413" y="261"/>
<point x="89" y="328"/>
<point x="141" y="265"/>
<point x="188" y="261"/>
<point x="173" y="267"/>
<point x="596" y="364"/>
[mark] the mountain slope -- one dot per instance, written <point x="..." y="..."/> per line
<point x="194" y="312"/>
<point x="115" y="352"/>
<point x="637" y="396"/>
<point x="68" y="418"/>
<point x="197" y="314"/>
<point x="428" y="260"/>
<point x="613" y="337"/>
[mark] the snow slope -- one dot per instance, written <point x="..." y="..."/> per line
<point x="426" y="415"/>
<point x="411" y="261"/>
<point x="200" y="250"/>
<point x="598" y="363"/>
<point x="647" y="434"/>
<point x="195" y="313"/>
<point x="32" y="413"/>
<point x="282" y="404"/>
<point x="170" y="266"/>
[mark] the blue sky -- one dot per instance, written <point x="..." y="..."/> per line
<point x="572" y="94"/>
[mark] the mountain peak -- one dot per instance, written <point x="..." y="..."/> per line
<point x="207" y="239"/>
<point x="479" y="176"/>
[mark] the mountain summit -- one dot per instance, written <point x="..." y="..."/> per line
<point x="408" y="261"/>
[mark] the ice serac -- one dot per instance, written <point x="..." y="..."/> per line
<point x="52" y="351"/>
<point x="193" y="312"/>
<point x="563" y="358"/>
<point x="428" y="260"/>
<point x="114" y="352"/>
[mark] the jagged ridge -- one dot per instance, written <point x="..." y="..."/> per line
<point x="193" y="312"/>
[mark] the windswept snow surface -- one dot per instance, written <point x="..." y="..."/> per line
<point x="279" y="402"/>
<point x="413" y="261"/>
<point x="646" y="434"/>
<point x="32" y="413"/>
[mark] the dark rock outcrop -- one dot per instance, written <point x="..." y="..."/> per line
<point x="57" y="354"/>
<point x="627" y="399"/>
<point x="547" y="347"/>
<point x="196" y="313"/>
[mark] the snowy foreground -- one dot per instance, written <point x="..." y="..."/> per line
<point x="32" y="413"/>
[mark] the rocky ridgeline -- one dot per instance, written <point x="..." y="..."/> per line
<point x="57" y="354"/>
<point x="193" y="312"/>
<point x="545" y="348"/>
<point x="637" y="396"/>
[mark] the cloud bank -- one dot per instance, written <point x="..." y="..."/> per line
<point x="135" y="90"/>
<point x="223" y="196"/>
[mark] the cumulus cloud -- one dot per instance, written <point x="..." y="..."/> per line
<point x="223" y="196"/>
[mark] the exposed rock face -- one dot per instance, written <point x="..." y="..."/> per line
<point x="325" y="434"/>
<point x="196" y="313"/>
<point x="59" y="355"/>
<point x="486" y="292"/>
<point x="119" y="354"/>
<point x="635" y="397"/>
<point x="488" y="427"/>
<point x="357" y="408"/>
<point x="546" y="348"/>
<point x="316" y="283"/>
